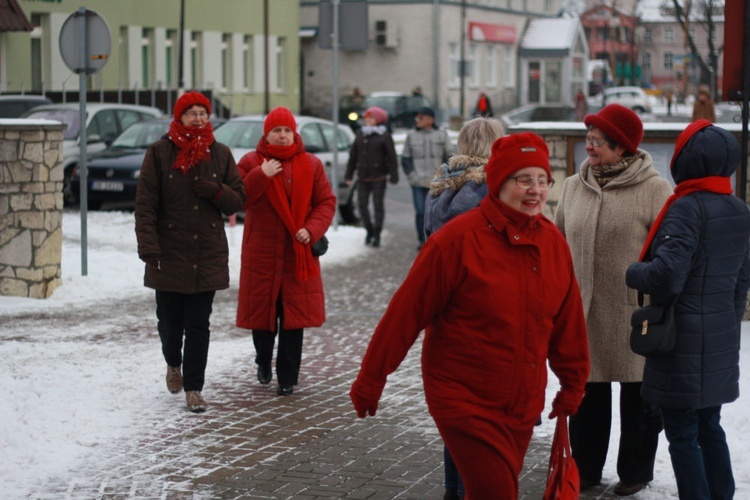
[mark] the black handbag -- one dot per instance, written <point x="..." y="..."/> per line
<point x="654" y="333"/>
<point x="320" y="247"/>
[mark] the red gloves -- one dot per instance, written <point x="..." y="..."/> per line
<point x="566" y="403"/>
<point x="365" y="396"/>
<point x="207" y="189"/>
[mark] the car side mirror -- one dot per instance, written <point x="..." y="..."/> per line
<point x="94" y="138"/>
<point x="313" y="149"/>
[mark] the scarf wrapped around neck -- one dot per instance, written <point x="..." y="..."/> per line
<point x="194" y="144"/>
<point x="714" y="184"/>
<point x="292" y="212"/>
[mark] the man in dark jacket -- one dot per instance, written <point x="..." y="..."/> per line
<point x="187" y="181"/>
<point x="697" y="251"/>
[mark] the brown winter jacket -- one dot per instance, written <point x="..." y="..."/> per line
<point x="373" y="156"/>
<point x="185" y="232"/>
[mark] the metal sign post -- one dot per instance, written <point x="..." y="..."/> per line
<point x="85" y="43"/>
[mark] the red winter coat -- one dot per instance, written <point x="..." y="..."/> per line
<point x="268" y="260"/>
<point x="496" y="304"/>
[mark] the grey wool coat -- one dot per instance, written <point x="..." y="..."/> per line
<point x="606" y="228"/>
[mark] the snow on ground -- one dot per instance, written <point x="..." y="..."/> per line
<point x="65" y="399"/>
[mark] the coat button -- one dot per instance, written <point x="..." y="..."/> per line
<point x="195" y="236"/>
<point x="195" y="266"/>
<point x="516" y="237"/>
<point x="195" y="207"/>
<point x="534" y="269"/>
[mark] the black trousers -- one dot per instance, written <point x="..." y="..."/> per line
<point x="289" y="355"/>
<point x="185" y="315"/>
<point x="377" y="190"/>
<point x="640" y="424"/>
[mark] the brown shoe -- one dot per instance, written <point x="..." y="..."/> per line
<point x="195" y="401"/>
<point x="174" y="379"/>
<point x="627" y="489"/>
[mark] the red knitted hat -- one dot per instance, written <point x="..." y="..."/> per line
<point x="686" y="135"/>
<point x="380" y="115"/>
<point x="279" y="117"/>
<point x="620" y="124"/>
<point x="188" y="100"/>
<point x="514" y="152"/>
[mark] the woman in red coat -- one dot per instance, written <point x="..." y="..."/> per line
<point x="289" y="206"/>
<point x="496" y="293"/>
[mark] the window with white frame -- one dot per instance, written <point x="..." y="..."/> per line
<point x="247" y="62"/>
<point x="196" y="61"/>
<point x="509" y="67"/>
<point x="647" y="36"/>
<point x="490" y="66"/>
<point x="472" y="66"/>
<point x="170" y="57"/>
<point x="668" y="60"/>
<point x="280" y="53"/>
<point x="226" y="60"/>
<point x="147" y="58"/>
<point x="454" y="65"/>
<point x="646" y="60"/>
<point x="668" y="35"/>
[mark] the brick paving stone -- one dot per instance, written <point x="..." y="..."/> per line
<point x="252" y="444"/>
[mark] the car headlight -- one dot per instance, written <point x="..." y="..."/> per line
<point x="353" y="116"/>
<point x="136" y="174"/>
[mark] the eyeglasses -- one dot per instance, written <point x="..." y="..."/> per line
<point x="597" y="143"/>
<point x="527" y="182"/>
<point x="193" y="114"/>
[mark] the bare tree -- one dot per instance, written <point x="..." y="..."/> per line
<point x="700" y="14"/>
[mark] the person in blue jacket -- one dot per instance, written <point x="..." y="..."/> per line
<point x="698" y="251"/>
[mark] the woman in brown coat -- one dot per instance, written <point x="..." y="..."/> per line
<point x="187" y="181"/>
<point x="290" y="205"/>
<point x="373" y="157"/>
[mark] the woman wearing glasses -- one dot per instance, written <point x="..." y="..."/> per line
<point x="187" y="182"/>
<point x="605" y="212"/>
<point x="495" y="292"/>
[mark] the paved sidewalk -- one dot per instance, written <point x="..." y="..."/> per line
<point x="252" y="444"/>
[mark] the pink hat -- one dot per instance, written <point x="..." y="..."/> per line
<point x="380" y="115"/>
<point x="620" y="124"/>
<point x="279" y="117"/>
<point x="514" y="152"/>
<point x="188" y="100"/>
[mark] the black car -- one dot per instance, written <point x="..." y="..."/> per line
<point x="113" y="173"/>
<point x="15" y="105"/>
<point x="401" y="109"/>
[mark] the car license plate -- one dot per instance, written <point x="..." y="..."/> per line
<point x="107" y="186"/>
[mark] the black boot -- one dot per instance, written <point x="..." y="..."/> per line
<point x="368" y="238"/>
<point x="376" y="238"/>
<point x="264" y="374"/>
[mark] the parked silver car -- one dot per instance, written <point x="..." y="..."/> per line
<point x="104" y="122"/>
<point x="242" y="134"/>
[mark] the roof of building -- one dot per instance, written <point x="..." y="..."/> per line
<point x="12" y="17"/>
<point x="557" y="33"/>
<point x="550" y="36"/>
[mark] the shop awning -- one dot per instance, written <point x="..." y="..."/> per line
<point x="12" y="17"/>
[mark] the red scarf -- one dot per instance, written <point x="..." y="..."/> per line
<point x="193" y="143"/>
<point x="714" y="184"/>
<point x="292" y="216"/>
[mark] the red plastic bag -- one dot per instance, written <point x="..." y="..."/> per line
<point x="563" y="482"/>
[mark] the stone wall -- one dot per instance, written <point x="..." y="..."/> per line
<point x="31" y="203"/>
